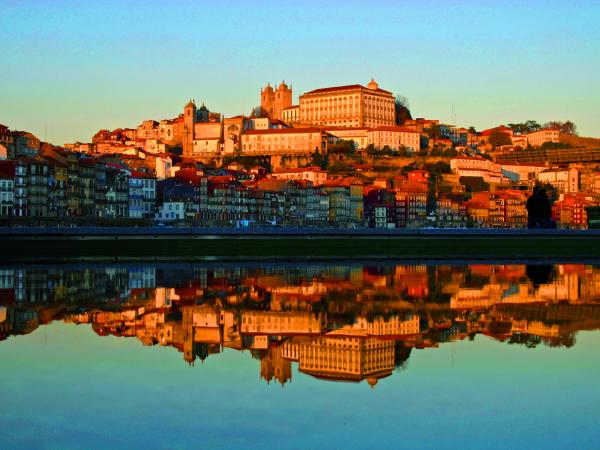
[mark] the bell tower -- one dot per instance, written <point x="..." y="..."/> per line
<point x="189" y="118"/>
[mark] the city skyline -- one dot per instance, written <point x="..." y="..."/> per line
<point x="75" y="69"/>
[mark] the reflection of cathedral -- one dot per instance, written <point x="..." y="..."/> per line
<point x="274" y="366"/>
<point x="332" y="322"/>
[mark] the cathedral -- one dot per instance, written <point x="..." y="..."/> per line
<point x="192" y="130"/>
<point x="274" y="101"/>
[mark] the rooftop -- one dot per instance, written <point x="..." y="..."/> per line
<point x="285" y="131"/>
<point x="348" y="87"/>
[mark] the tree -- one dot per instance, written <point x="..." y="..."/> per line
<point x="532" y="125"/>
<point x="402" y="110"/>
<point x="343" y="146"/>
<point x="440" y="167"/>
<point x="450" y="153"/>
<point x="567" y="127"/>
<point x="525" y="127"/>
<point x="498" y="139"/>
<point x="319" y="159"/>
<point x="258" y="113"/>
<point x="434" y="132"/>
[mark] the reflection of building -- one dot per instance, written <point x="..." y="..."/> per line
<point x="274" y="365"/>
<point x="288" y="323"/>
<point x="338" y="322"/>
<point x="394" y="326"/>
<point x="347" y="358"/>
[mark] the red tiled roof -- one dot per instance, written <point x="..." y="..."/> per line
<point x="221" y="179"/>
<point x="138" y="174"/>
<point x="299" y="170"/>
<point x="347" y="87"/>
<point x="188" y="174"/>
<point x="346" y="128"/>
<point x="501" y="128"/>
<point x="411" y="186"/>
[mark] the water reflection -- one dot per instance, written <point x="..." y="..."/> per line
<point x="336" y="322"/>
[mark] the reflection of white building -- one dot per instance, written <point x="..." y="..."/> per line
<point x="164" y="297"/>
<point x="566" y="287"/>
<point x="347" y="358"/>
<point x="470" y="298"/>
<point x="7" y="278"/>
<point x="142" y="277"/>
<point x="521" y="294"/>
<point x="286" y="323"/>
<point x="380" y="327"/>
<point x="537" y="328"/>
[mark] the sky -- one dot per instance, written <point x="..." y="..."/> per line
<point x="69" y="69"/>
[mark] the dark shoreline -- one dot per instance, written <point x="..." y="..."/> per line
<point x="292" y="244"/>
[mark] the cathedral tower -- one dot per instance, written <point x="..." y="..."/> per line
<point x="274" y="101"/>
<point x="189" y="118"/>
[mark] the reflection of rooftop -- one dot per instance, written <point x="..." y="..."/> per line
<point x="339" y="323"/>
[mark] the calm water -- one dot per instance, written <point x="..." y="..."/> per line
<point x="300" y="356"/>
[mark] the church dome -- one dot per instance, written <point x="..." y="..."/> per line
<point x="373" y="85"/>
<point x="203" y="108"/>
<point x="282" y="86"/>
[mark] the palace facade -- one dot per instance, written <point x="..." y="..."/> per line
<point x="348" y="106"/>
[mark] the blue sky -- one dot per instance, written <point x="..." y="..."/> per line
<point x="71" y="68"/>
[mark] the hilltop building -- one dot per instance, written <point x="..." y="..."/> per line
<point x="194" y="129"/>
<point x="350" y="106"/>
<point x="274" y="101"/>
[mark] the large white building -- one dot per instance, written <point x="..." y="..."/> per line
<point x="564" y="180"/>
<point x="349" y="106"/>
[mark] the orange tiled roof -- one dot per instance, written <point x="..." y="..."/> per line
<point x="347" y="87"/>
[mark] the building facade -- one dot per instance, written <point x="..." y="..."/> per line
<point x="350" y="106"/>
<point x="284" y="141"/>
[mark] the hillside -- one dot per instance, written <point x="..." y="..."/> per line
<point x="578" y="141"/>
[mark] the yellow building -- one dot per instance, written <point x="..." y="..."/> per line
<point x="350" y="106"/>
<point x="358" y="135"/>
<point x="539" y="137"/>
<point x="280" y="323"/>
<point x="395" y="138"/>
<point x="284" y="141"/>
<point x="291" y="114"/>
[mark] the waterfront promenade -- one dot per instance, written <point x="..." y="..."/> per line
<point x="292" y="243"/>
